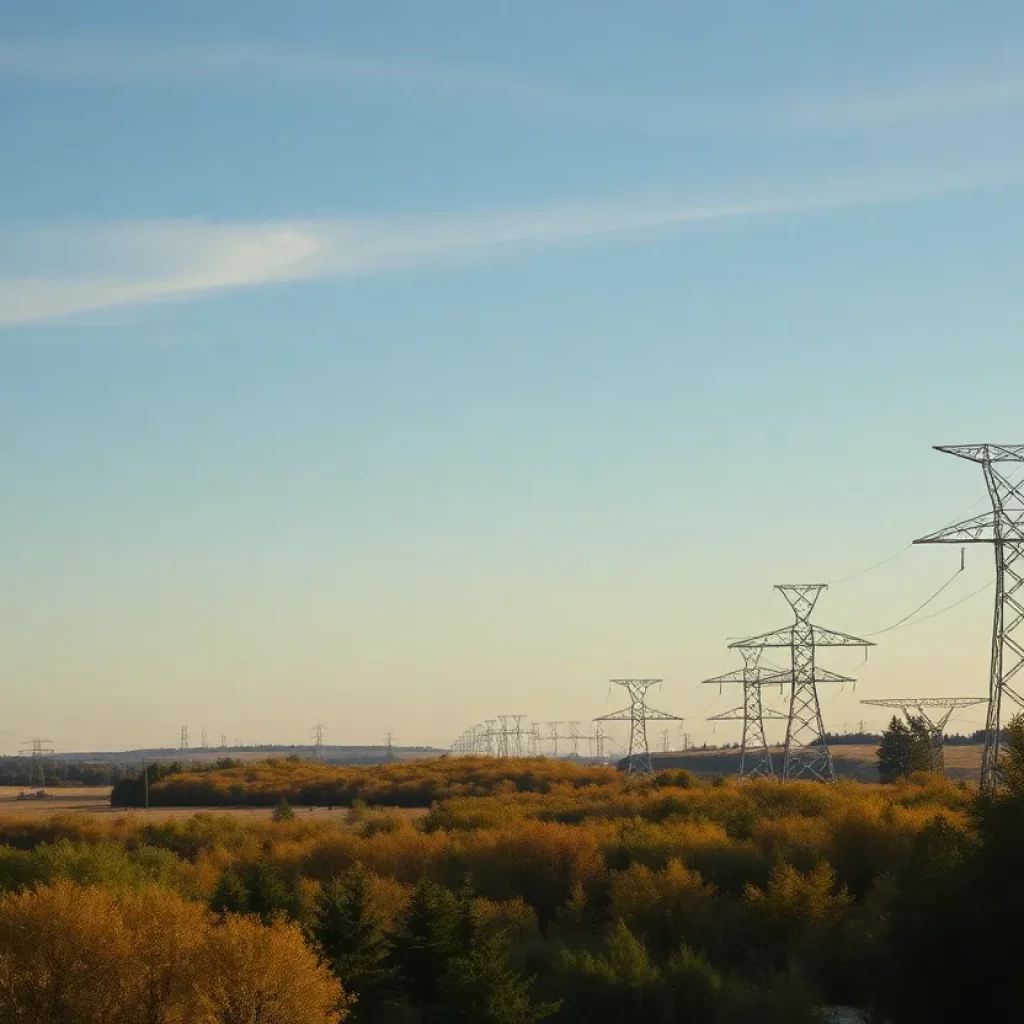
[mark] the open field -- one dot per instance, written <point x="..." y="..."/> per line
<point x="95" y="800"/>
<point x="852" y="762"/>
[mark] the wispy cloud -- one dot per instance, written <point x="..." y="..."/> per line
<point x="251" y="66"/>
<point x="54" y="272"/>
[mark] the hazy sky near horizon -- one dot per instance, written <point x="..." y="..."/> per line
<point x="402" y="365"/>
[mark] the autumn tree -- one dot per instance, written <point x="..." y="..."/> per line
<point x="89" y="955"/>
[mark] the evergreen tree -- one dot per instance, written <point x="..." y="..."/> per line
<point x="479" y="985"/>
<point x="353" y="940"/>
<point x="283" y="811"/>
<point x="231" y="894"/>
<point x="427" y="941"/>
<point x="894" y="752"/>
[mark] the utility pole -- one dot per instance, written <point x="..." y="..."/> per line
<point x="638" y="714"/>
<point x="935" y="726"/>
<point x="1003" y="528"/>
<point x="806" y="751"/>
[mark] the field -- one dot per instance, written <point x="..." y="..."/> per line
<point x="851" y="762"/>
<point x="95" y="801"/>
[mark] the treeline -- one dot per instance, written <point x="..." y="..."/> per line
<point x="17" y="771"/>
<point x="562" y="893"/>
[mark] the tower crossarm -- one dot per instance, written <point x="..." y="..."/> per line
<point x="615" y="716"/>
<point x="822" y="637"/>
<point x="652" y="714"/>
<point x="984" y="452"/>
<point x="977" y="530"/>
<point x="764" y="676"/>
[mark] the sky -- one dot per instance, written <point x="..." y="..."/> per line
<point x="398" y="366"/>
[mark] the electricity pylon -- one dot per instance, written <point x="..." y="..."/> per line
<point x="36" y="750"/>
<point x="553" y="736"/>
<point x="755" y="754"/>
<point x="753" y="676"/>
<point x="317" y="732"/>
<point x="935" y="726"/>
<point x="806" y="752"/>
<point x="1003" y="528"/>
<point x="184" y="737"/>
<point x="638" y="714"/>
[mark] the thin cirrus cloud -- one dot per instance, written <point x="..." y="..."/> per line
<point x="275" y="67"/>
<point x="58" y="272"/>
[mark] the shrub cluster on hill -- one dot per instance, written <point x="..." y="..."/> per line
<point x="415" y="783"/>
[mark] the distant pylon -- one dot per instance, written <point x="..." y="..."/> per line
<point x="1003" y="528"/>
<point x="37" y="749"/>
<point x="599" y="738"/>
<point x="574" y="738"/>
<point x="184" y="738"/>
<point x="638" y="714"/>
<point x="553" y="736"/>
<point x="517" y="736"/>
<point x="202" y="741"/>
<point x="223" y="741"/>
<point x="317" y="732"/>
<point x="536" y="741"/>
<point x="489" y="737"/>
<point x="389" y="754"/>
<point x="935" y="726"/>
<point x="806" y="751"/>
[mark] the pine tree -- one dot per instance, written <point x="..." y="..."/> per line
<point x="894" y="753"/>
<point x="231" y="894"/>
<point x="426" y="942"/>
<point x="353" y="941"/>
<point x="479" y="985"/>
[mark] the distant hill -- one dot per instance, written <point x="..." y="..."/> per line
<point x="333" y="754"/>
<point x="851" y="761"/>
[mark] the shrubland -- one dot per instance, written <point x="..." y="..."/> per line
<point x="529" y="891"/>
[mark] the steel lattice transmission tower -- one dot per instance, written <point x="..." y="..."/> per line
<point x="184" y="737"/>
<point x="755" y="754"/>
<point x="753" y="676"/>
<point x="1003" y="528"/>
<point x="36" y="750"/>
<point x="638" y="714"/>
<point x="806" y="751"/>
<point x="317" y="732"/>
<point x="935" y="725"/>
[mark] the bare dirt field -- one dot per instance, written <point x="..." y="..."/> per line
<point x="96" y="800"/>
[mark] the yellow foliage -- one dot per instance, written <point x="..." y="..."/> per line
<point x="89" y="955"/>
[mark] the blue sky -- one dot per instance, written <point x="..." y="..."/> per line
<point x="405" y="366"/>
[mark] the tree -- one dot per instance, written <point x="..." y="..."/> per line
<point x="283" y="811"/>
<point x="353" y="940"/>
<point x="904" y="749"/>
<point x="479" y="985"/>
<point x="427" y="940"/>
<point x="74" y="954"/>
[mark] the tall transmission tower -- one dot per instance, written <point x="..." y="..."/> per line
<point x="638" y="714"/>
<point x="755" y="754"/>
<point x="184" y="738"/>
<point x="223" y="741"/>
<point x="598" y="740"/>
<point x="536" y="742"/>
<point x="806" y="752"/>
<point x="202" y="741"/>
<point x="517" y="736"/>
<point x="753" y="676"/>
<point x="389" y="753"/>
<point x="1003" y="528"/>
<point x="36" y="750"/>
<point x="574" y="738"/>
<point x="909" y="705"/>
<point x="317" y="732"/>
<point x="553" y="736"/>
